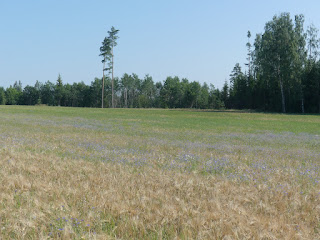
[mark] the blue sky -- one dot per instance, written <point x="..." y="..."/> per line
<point x="200" y="40"/>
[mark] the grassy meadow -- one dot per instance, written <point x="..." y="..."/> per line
<point x="76" y="173"/>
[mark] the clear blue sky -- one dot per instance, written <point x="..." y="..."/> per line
<point x="200" y="40"/>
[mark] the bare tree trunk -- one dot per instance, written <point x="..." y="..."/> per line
<point x="104" y="62"/>
<point x="302" y="101"/>
<point x="112" y="81"/>
<point x="283" y="103"/>
<point x="282" y="97"/>
<point x="126" y="97"/>
<point x="319" y="97"/>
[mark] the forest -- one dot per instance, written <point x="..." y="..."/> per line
<point x="282" y="74"/>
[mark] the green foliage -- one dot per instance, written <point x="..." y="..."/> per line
<point x="30" y="96"/>
<point x="193" y="94"/>
<point x="2" y="96"/>
<point x="239" y="89"/>
<point x="204" y="97"/>
<point x="225" y="94"/>
<point x="147" y="92"/>
<point x="281" y="76"/>
<point x="12" y="96"/>
<point x="59" y="89"/>
<point x="18" y="86"/>
<point x="171" y="94"/>
<point x="47" y="92"/>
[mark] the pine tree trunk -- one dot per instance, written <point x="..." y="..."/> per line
<point x="112" y="80"/>
<point x="104" y="62"/>
<point x="126" y="97"/>
<point x="319" y="97"/>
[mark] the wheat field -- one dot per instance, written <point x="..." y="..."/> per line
<point x="70" y="173"/>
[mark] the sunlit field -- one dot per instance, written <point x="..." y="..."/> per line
<point x="72" y="173"/>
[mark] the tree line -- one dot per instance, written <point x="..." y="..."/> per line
<point x="130" y="92"/>
<point x="282" y="75"/>
<point x="282" y="69"/>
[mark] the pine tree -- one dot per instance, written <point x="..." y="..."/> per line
<point x="106" y="50"/>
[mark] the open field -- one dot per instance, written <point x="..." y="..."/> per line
<point x="73" y="173"/>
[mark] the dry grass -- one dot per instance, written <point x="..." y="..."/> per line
<point x="115" y="201"/>
<point x="69" y="178"/>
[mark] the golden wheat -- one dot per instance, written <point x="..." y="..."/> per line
<point x="86" y="178"/>
<point x="40" y="195"/>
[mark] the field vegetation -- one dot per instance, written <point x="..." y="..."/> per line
<point x="79" y="173"/>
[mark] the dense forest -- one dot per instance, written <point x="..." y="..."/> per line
<point x="130" y="92"/>
<point x="282" y="74"/>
